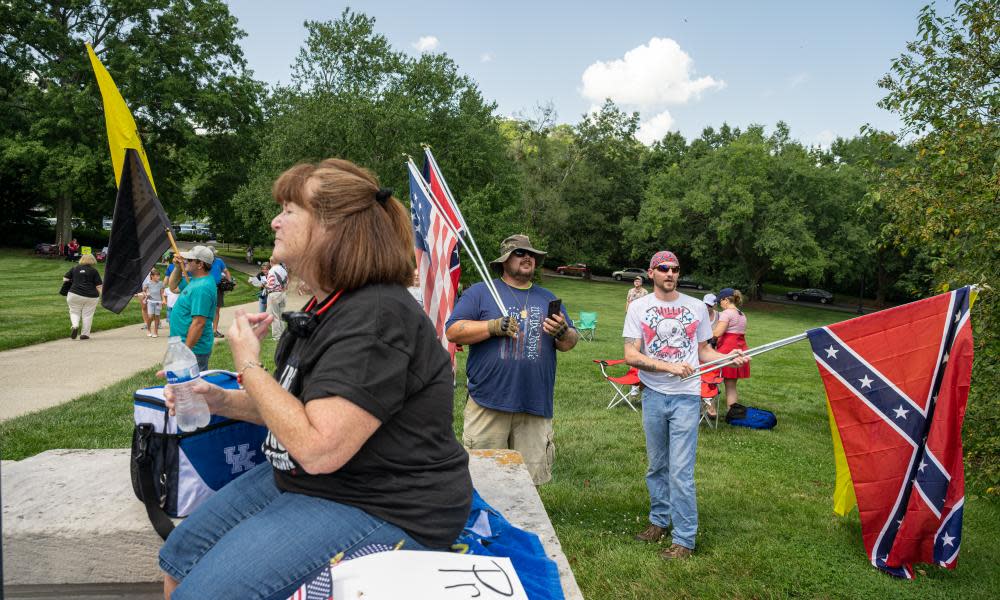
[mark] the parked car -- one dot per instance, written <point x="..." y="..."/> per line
<point x="574" y="269"/>
<point x="691" y="283"/>
<point x="810" y="295"/>
<point x="630" y="273"/>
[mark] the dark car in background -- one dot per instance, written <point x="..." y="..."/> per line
<point x="579" y="269"/>
<point x="690" y="282"/>
<point x="630" y="273"/>
<point x="810" y="295"/>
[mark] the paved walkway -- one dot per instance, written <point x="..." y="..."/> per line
<point x="52" y="373"/>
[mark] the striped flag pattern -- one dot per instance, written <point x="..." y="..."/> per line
<point x="138" y="235"/>
<point x="436" y="251"/>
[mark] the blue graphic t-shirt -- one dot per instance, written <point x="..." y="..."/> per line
<point x="508" y="374"/>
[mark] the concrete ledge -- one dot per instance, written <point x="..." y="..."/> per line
<point x="503" y="481"/>
<point x="70" y="517"/>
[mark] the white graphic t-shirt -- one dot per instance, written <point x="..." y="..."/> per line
<point x="671" y="332"/>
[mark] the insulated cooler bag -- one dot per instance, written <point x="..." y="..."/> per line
<point x="173" y="472"/>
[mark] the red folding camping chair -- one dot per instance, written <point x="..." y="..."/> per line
<point x="618" y="384"/>
<point x="710" y="383"/>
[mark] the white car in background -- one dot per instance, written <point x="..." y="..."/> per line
<point x="630" y="274"/>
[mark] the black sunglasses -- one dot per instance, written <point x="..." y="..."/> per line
<point x="667" y="269"/>
<point x="520" y="253"/>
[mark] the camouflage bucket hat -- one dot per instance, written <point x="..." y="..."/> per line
<point x="516" y="242"/>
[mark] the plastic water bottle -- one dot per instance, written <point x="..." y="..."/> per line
<point x="181" y="367"/>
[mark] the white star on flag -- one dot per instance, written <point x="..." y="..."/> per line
<point x="865" y="382"/>
<point x="945" y="359"/>
<point x="831" y="352"/>
<point x="947" y="539"/>
<point x="957" y="316"/>
<point x="922" y="465"/>
<point x="900" y="412"/>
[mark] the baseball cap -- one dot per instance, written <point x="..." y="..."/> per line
<point x="726" y="293"/>
<point x="710" y="299"/>
<point x="202" y="253"/>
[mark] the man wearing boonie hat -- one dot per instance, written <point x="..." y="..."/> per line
<point x="193" y="313"/>
<point x="512" y="358"/>
<point x="666" y="337"/>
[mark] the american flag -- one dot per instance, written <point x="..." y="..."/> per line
<point x="898" y="382"/>
<point x="436" y="250"/>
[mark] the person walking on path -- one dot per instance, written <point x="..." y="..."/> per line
<point x="666" y="337"/>
<point x="731" y="331"/>
<point x="84" y="291"/>
<point x="512" y="359"/>
<point x="194" y="312"/>
<point x="275" y="285"/>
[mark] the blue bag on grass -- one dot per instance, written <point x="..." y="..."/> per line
<point x="756" y="418"/>
<point x="173" y="472"/>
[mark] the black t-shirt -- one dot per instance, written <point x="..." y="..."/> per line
<point x="85" y="280"/>
<point x="377" y="349"/>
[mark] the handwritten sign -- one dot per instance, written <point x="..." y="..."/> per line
<point x="427" y="576"/>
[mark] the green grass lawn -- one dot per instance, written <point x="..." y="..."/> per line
<point x="32" y="311"/>
<point x="766" y="525"/>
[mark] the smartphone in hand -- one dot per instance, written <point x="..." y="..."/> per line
<point x="555" y="307"/>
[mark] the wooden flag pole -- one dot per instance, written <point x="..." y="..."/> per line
<point x="177" y="252"/>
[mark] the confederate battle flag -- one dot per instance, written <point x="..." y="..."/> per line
<point x="898" y="382"/>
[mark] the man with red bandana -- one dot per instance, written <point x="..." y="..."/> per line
<point x="666" y="337"/>
<point x="512" y="358"/>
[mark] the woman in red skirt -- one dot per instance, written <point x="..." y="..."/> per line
<point x="731" y="330"/>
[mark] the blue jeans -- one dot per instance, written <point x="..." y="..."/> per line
<point x="671" y="425"/>
<point x="251" y="540"/>
<point x="203" y="361"/>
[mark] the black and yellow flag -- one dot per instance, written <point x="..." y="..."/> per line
<point x="139" y="226"/>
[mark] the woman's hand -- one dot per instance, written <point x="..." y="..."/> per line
<point x="245" y="334"/>
<point x="214" y="395"/>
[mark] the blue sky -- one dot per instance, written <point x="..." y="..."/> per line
<point x="682" y="65"/>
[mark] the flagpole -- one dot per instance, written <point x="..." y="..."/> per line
<point x="415" y="173"/>
<point x="727" y="360"/>
<point x="177" y="252"/>
<point x="458" y="211"/>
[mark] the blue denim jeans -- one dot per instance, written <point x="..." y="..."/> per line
<point x="671" y="426"/>
<point x="251" y="540"/>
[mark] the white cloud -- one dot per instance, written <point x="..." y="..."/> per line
<point x="824" y="138"/>
<point x="797" y="80"/>
<point x="427" y="43"/>
<point x="486" y="57"/>
<point x="648" y="76"/>
<point x="653" y="130"/>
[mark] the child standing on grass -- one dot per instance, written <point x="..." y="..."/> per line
<point x="154" y="301"/>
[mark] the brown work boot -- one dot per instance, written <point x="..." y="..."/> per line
<point x="653" y="533"/>
<point x="676" y="551"/>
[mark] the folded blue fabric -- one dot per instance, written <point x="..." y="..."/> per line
<point x="488" y="533"/>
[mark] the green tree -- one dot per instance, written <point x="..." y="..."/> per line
<point x="355" y="97"/>
<point x="946" y="89"/>
<point x="176" y="62"/>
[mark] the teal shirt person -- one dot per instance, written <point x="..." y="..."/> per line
<point x="197" y="299"/>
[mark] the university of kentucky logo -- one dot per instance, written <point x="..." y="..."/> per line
<point x="240" y="458"/>
<point x="669" y="332"/>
